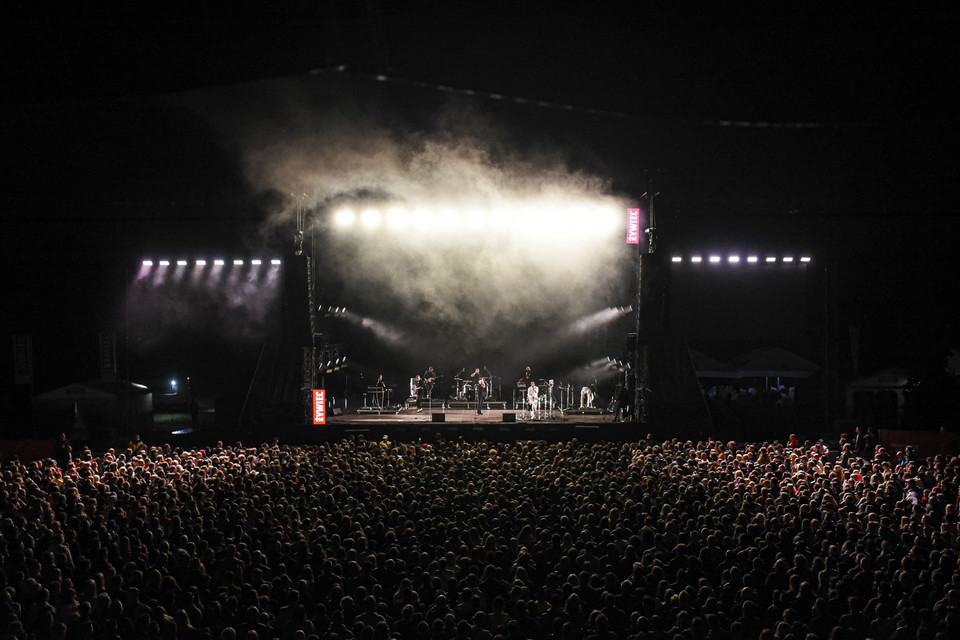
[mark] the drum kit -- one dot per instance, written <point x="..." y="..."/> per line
<point x="466" y="388"/>
<point x="552" y="396"/>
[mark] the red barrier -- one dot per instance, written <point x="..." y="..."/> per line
<point x="924" y="443"/>
<point x="26" y="450"/>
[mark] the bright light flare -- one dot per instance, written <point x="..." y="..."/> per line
<point x="345" y="218"/>
<point x="371" y="218"/>
<point x="397" y="218"/>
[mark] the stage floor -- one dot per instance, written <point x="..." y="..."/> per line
<point x="491" y="415"/>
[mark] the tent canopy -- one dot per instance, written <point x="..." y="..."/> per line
<point x="707" y="367"/>
<point x="774" y="362"/>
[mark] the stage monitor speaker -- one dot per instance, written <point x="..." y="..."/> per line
<point x="439" y="417"/>
<point x="509" y="417"/>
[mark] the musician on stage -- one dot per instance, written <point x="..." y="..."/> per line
<point x="533" y="397"/>
<point x="587" y="394"/>
<point x="480" y="385"/>
<point x="380" y="391"/>
<point x="430" y="377"/>
<point x="525" y="378"/>
<point x="416" y="390"/>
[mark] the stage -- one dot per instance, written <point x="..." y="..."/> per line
<point x="455" y="420"/>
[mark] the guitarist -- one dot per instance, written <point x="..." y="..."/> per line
<point x="430" y="378"/>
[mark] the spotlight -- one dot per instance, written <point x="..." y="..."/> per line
<point x="164" y="263"/>
<point x="771" y="259"/>
<point x="788" y="258"/>
<point x="752" y="259"/>
<point x="371" y="218"/>
<point x="733" y="259"/>
<point x="676" y="259"/>
<point x="805" y="259"/>
<point x="345" y="218"/>
<point x="201" y="263"/>
<point x="147" y="263"/>
<point x="181" y="263"/>
<point x="275" y="261"/>
<point x="397" y="218"/>
<point x="714" y="259"/>
<point x="256" y="262"/>
<point x="238" y="263"/>
<point x="696" y="259"/>
<point x="218" y="262"/>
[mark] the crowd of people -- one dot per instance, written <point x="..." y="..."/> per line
<point x="461" y="540"/>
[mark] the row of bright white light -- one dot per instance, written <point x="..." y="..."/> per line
<point x="202" y="263"/>
<point x="735" y="259"/>
<point x="400" y="218"/>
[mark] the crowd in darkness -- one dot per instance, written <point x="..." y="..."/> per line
<point x="460" y="540"/>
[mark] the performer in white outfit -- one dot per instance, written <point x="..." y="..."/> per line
<point x="586" y="397"/>
<point x="533" y="396"/>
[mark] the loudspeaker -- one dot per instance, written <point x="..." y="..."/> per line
<point x="509" y="417"/>
<point x="438" y="417"/>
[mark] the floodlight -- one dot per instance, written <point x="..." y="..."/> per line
<point x="696" y="259"/>
<point x="345" y="217"/>
<point x="752" y="259"/>
<point x="275" y="261"/>
<point x="714" y="259"/>
<point x="733" y="259"/>
<point x="181" y="263"/>
<point x="147" y="263"/>
<point x="371" y="218"/>
<point x="397" y="217"/>
<point x="805" y="259"/>
<point x="238" y="263"/>
<point x="771" y="259"/>
<point x="256" y="262"/>
<point x="218" y="262"/>
<point x="677" y="259"/>
<point x="201" y="263"/>
<point x="164" y="263"/>
<point x="788" y="258"/>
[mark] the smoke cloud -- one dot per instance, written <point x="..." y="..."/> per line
<point x="520" y="246"/>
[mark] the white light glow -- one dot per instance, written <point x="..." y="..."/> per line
<point x="345" y="217"/>
<point x="733" y="259"/>
<point x="397" y="218"/>
<point x="164" y="263"/>
<point x="371" y="218"/>
<point x="147" y="263"/>
<point x="752" y="259"/>
<point x="788" y="258"/>
<point x="805" y="259"/>
<point x="256" y="262"/>
<point x="275" y="261"/>
<point x="696" y="259"/>
<point x="238" y="263"/>
<point x="201" y="263"/>
<point x="677" y="259"/>
<point x="218" y="262"/>
<point x="771" y="259"/>
<point x="181" y="263"/>
<point x="714" y="259"/>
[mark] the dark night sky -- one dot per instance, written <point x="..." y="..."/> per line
<point x="97" y="166"/>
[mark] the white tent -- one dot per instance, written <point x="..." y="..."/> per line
<point x="707" y="367"/>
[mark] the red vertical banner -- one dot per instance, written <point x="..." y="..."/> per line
<point x="319" y="406"/>
<point x="22" y="359"/>
<point x="633" y="226"/>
